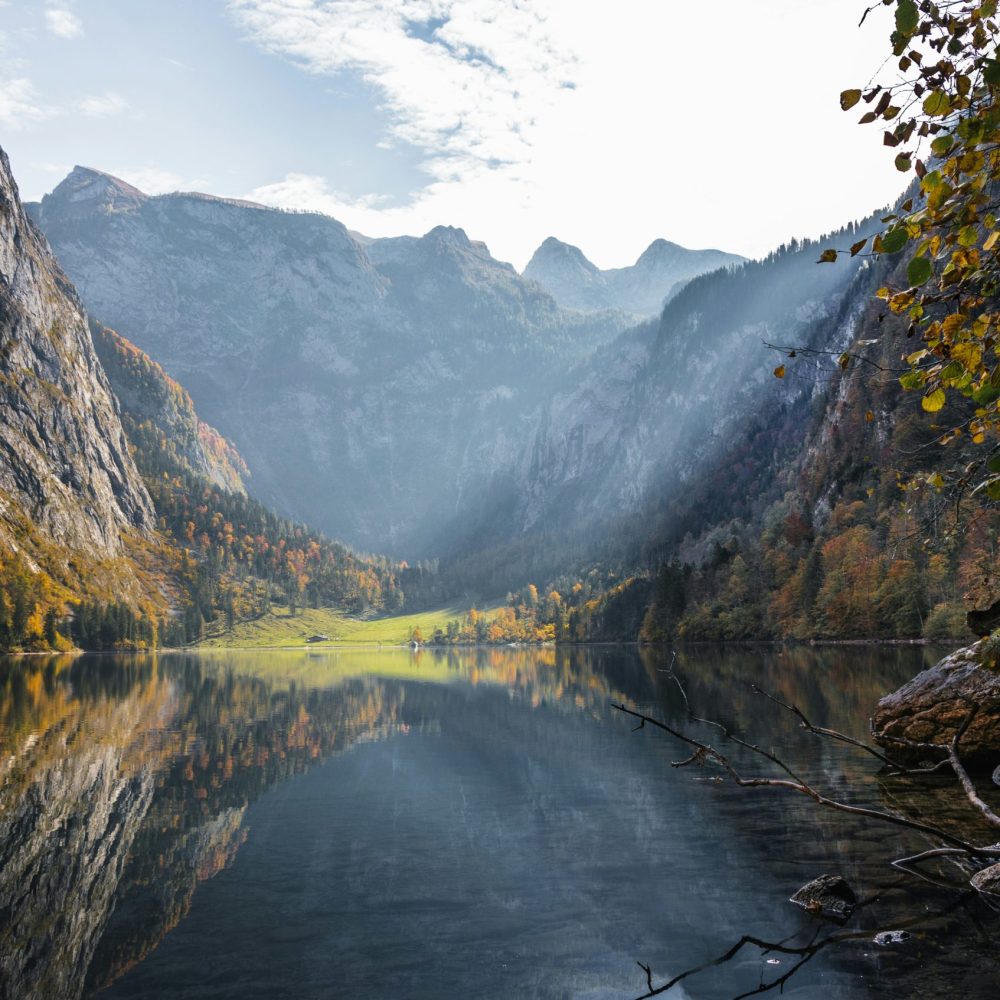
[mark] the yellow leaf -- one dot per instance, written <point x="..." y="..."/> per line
<point x="933" y="401"/>
<point x="869" y="417"/>
<point x="991" y="240"/>
<point x="779" y="372"/>
<point x="970" y="356"/>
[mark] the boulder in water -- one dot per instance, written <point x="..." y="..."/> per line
<point x="827" y="896"/>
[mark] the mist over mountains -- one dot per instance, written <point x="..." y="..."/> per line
<point x="369" y="385"/>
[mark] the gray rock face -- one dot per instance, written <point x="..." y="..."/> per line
<point x="646" y="412"/>
<point x="66" y="476"/>
<point x="641" y="289"/>
<point x="371" y="385"/>
<point x="937" y="701"/>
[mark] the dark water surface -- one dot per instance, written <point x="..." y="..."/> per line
<point x="477" y="823"/>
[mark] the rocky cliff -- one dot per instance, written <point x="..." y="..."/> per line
<point x="68" y="486"/>
<point x="160" y="419"/>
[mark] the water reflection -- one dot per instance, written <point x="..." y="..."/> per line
<point x="494" y="831"/>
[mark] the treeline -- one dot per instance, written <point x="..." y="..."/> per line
<point x="30" y="607"/>
<point x="235" y="557"/>
<point x="593" y="609"/>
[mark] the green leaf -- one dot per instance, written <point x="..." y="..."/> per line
<point x="912" y="380"/>
<point x="903" y="162"/>
<point x="991" y="72"/>
<point x="919" y="271"/>
<point x="942" y="144"/>
<point x="849" y="98"/>
<point x="994" y="464"/>
<point x="907" y="17"/>
<point x="894" y="240"/>
<point x="985" y="396"/>
<point x="968" y="236"/>
<point x="937" y="104"/>
<point x="933" y="401"/>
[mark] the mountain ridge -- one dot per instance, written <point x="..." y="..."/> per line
<point x="642" y="288"/>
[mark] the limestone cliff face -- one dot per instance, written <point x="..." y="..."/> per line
<point x="67" y="481"/>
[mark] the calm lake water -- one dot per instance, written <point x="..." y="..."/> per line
<point x="478" y="823"/>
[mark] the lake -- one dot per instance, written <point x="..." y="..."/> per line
<point x="469" y="823"/>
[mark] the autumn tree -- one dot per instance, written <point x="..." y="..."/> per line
<point x="938" y="113"/>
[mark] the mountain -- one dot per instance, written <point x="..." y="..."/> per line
<point x="372" y="386"/>
<point x="642" y="416"/>
<point x="73" y="502"/>
<point x="641" y="289"/>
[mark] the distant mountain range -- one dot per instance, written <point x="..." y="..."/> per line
<point x="642" y="289"/>
<point x="372" y="386"/>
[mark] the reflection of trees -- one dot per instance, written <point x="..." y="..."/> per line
<point x="236" y="736"/>
<point x="247" y="721"/>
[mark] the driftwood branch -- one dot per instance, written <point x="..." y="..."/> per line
<point x="707" y="753"/>
<point x="963" y="776"/>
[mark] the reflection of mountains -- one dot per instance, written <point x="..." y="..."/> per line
<point x="127" y="779"/>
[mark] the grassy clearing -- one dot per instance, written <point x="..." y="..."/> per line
<point x="279" y="628"/>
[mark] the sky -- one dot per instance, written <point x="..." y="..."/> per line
<point x="607" y="125"/>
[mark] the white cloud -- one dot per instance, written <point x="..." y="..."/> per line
<point x="463" y="80"/>
<point x="311" y="193"/>
<point x="20" y="104"/>
<point x="103" y="105"/>
<point x="607" y="129"/>
<point x="63" y="22"/>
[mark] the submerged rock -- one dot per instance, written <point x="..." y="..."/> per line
<point x="827" y="896"/>
<point x="987" y="880"/>
<point x="885" y="938"/>
<point x="931" y="707"/>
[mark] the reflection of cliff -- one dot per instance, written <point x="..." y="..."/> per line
<point x="74" y="790"/>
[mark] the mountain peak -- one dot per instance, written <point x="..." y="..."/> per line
<point x="660" y="250"/>
<point x="554" y="251"/>
<point x="89" y="189"/>
<point x="449" y="234"/>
